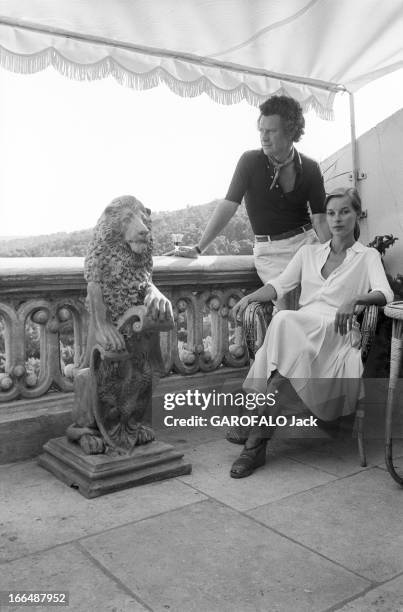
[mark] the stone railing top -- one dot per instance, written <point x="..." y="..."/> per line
<point x="33" y="266"/>
<point x="223" y="269"/>
<point x="19" y="274"/>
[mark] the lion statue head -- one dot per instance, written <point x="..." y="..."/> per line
<point x="119" y="256"/>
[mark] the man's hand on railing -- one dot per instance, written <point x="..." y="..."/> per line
<point x="184" y="251"/>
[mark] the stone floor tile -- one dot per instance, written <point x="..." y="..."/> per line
<point x="184" y="438"/>
<point x="338" y="457"/>
<point x="279" y="478"/>
<point x="38" y="511"/>
<point x="385" y="598"/>
<point x="209" y="558"/>
<point x="355" y="521"/>
<point x="67" y="569"/>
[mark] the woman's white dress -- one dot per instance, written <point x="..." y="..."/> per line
<point x="324" y="367"/>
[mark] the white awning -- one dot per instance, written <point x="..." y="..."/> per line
<point x="230" y="49"/>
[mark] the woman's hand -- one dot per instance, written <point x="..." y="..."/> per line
<point x="239" y="308"/>
<point x="344" y="317"/>
<point x="264" y="294"/>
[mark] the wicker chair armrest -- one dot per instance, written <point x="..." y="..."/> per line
<point x="256" y="320"/>
<point x="368" y="328"/>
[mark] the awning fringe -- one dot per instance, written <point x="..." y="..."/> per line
<point x="30" y="64"/>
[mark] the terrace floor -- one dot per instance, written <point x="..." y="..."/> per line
<point x="310" y="531"/>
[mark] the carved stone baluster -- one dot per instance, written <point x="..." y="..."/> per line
<point x="40" y="312"/>
<point x="195" y="326"/>
<point x="212" y="360"/>
<point x="190" y="363"/>
<point x="13" y="341"/>
<point x="237" y="354"/>
<point x="69" y="310"/>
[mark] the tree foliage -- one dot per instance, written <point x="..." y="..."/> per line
<point x="236" y="238"/>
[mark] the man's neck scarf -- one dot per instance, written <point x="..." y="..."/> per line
<point x="278" y="165"/>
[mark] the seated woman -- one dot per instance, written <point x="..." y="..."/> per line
<point x="316" y="347"/>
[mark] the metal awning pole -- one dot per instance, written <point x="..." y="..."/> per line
<point x="354" y="152"/>
<point x="167" y="53"/>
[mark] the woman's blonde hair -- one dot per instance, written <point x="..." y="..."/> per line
<point x="355" y="200"/>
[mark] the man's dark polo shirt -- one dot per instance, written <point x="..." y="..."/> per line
<point x="273" y="211"/>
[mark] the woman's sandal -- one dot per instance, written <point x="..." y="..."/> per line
<point x="237" y="435"/>
<point x="249" y="460"/>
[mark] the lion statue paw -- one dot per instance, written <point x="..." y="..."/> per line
<point x="92" y="445"/>
<point x="144" y="435"/>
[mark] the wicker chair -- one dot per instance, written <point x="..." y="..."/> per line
<point x="256" y="320"/>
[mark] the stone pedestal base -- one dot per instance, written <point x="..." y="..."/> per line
<point x="95" y="475"/>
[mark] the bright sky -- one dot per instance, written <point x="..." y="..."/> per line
<point x="70" y="147"/>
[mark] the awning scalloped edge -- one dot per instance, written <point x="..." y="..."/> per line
<point x="36" y="62"/>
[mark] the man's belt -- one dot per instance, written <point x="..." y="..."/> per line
<point x="284" y="235"/>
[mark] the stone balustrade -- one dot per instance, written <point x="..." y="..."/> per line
<point x="45" y="298"/>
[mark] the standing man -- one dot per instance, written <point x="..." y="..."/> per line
<point x="277" y="183"/>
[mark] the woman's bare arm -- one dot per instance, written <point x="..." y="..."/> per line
<point x="267" y="293"/>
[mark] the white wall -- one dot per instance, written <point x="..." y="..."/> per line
<point x="380" y="156"/>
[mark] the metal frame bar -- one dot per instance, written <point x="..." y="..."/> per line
<point x="188" y="57"/>
<point x="354" y="148"/>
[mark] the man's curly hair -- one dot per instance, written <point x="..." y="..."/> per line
<point x="124" y="276"/>
<point x="290" y="112"/>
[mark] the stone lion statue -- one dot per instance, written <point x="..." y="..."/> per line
<point x="113" y="386"/>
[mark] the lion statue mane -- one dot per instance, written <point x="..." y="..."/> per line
<point x="124" y="275"/>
